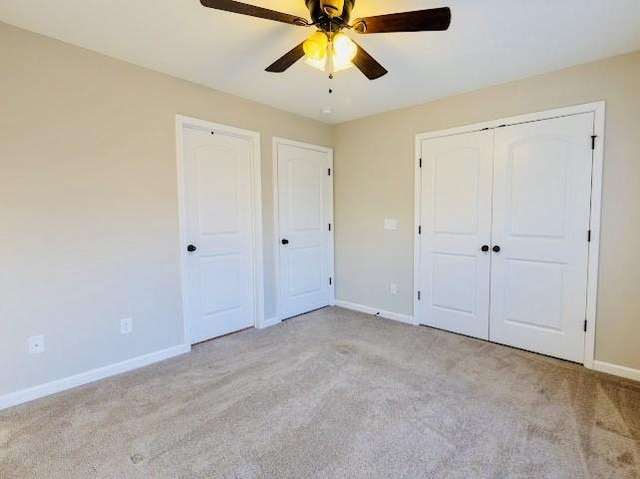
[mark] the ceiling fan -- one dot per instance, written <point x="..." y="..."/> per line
<point x="329" y="48"/>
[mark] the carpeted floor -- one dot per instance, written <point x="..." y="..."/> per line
<point x="334" y="394"/>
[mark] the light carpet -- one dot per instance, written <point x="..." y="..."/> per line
<point x="334" y="394"/>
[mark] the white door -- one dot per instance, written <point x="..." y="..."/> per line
<point x="305" y="188"/>
<point x="219" y="257"/>
<point x="542" y="190"/>
<point x="456" y="224"/>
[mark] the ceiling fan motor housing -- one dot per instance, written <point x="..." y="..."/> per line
<point x="321" y="13"/>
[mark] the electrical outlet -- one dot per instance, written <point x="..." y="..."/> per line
<point x="126" y="325"/>
<point x="36" y="344"/>
<point x="393" y="289"/>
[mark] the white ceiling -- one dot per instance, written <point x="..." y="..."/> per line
<point x="489" y="42"/>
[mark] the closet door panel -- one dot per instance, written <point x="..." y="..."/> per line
<point x="541" y="198"/>
<point x="456" y="223"/>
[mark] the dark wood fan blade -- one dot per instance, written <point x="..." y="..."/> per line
<point x="434" y="19"/>
<point x="253" y="11"/>
<point x="368" y="65"/>
<point x="287" y="60"/>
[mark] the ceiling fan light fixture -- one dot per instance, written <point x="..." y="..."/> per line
<point x="333" y="56"/>
<point x="341" y="63"/>
<point x="315" y="47"/>
<point x="317" y="64"/>
<point x="334" y="66"/>
<point x="344" y="47"/>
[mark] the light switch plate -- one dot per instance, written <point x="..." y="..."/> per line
<point x="390" y="224"/>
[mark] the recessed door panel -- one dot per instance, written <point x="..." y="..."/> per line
<point x="221" y="280"/>
<point x="542" y="189"/>
<point x="454" y="282"/>
<point x="535" y="294"/>
<point x="456" y="209"/>
<point x="304" y="236"/>
<point x="538" y="169"/>
<point x="217" y="186"/>
<point x="217" y="179"/>
<point x="305" y="195"/>
<point x="456" y="223"/>
<point x="305" y="270"/>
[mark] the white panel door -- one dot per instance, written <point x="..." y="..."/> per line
<point x="542" y="191"/>
<point x="456" y="225"/>
<point x="304" y="214"/>
<point x="218" y="266"/>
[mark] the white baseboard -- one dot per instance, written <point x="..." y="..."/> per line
<point x="403" y="318"/>
<point x="267" y="323"/>
<point x="616" y="370"/>
<point x="36" y="392"/>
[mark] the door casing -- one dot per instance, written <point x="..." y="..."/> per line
<point x="256" y="215"/>
<point x="276" y="221"/>
<point x="599" y="110"/>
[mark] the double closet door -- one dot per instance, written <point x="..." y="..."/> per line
<point x="505" y="226"/>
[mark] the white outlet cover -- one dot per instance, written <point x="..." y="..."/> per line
<point x="36" y="344"/>
<point x="390" y="224"/>
<point x="393" y="288"/>
<point x="126" y="325"/>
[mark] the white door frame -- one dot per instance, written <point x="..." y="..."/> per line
<point x="599" y="110"/>
<point x="276" y="220"/>
<point x="256" y="214"/>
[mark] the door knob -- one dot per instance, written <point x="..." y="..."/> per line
<point x="496" y="249"/>
<point x="485" y="248"/>
<point x="191" y="248"/>
<point x="285" y="241"/>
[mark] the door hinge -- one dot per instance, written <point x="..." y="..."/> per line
<point x="329" y="171"/>
<point x="419" y="295"/>
<point x="593" y="141"/>
<point x="329" y="226"/>
<point x="585" y="325"/>
<point x="419" y="230"/>
<point x="420" y="163"/>
<point x="589" y="237"/>
<point x="330" y="281"/>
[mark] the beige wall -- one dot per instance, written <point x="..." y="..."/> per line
<point x="88" y="199"/>
<point x="374" y="180"/>
<point x="88" y="203"/>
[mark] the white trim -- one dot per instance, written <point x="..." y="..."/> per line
<point x="596" y="107"/>
<point x="599" y="111"/>
<point x="276" y="218"/>
<point x="402" y="318"/>
<point x="267" y="323"/>
<point x="594" y="245"/>
<point x="59" y="385"/>
<point x="417" y="247"/>
<point x="616" y="370"/>
<point x="256" y="213"/>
